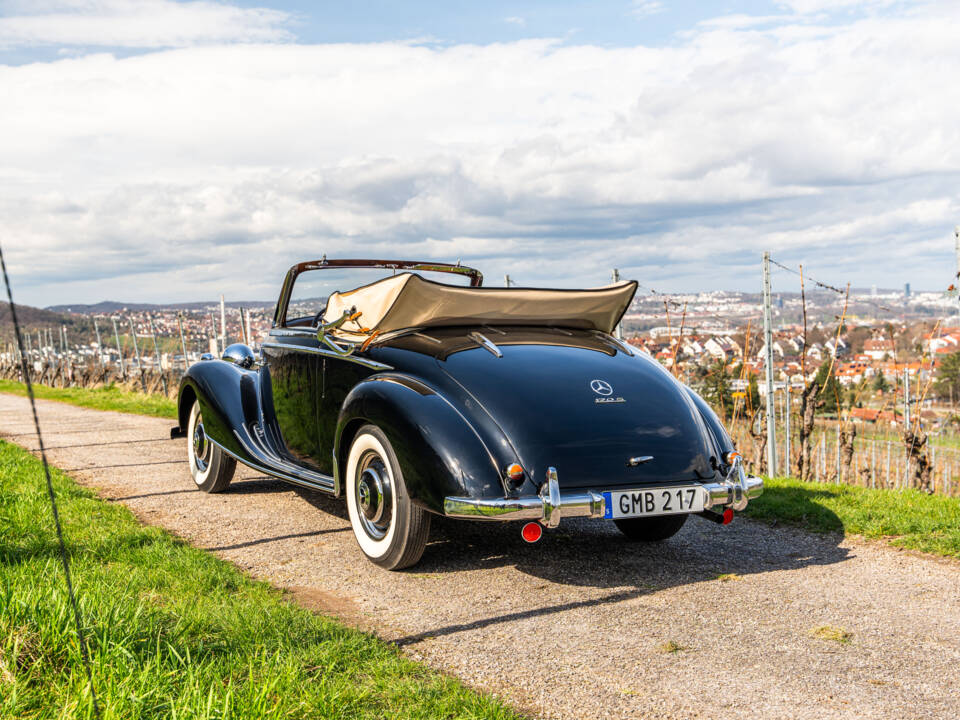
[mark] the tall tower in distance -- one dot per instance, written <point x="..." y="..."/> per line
<point x="906" y="290"/>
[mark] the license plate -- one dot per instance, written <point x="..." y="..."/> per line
<point x="654" y="501"/>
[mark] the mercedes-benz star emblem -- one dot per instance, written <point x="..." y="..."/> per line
<point x="601" y="387"/>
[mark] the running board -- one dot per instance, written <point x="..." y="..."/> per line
<point x="261" y="458"/>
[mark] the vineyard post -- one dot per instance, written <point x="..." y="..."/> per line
<point x="888" y="462"/>
<point x="223" y="325"/>
<point x="906" y="398"/>
<point x="116" y="335"/>
<point x="956" y="247"/>
<point x="183" y="344"/>
<point x="136" y="350"/>
<point x="768" y="339"/>
<point x="213" y="330"/>
<point x="243" y="329"/>
<point x="96" y="329"/>
<point x="838" y="451"/>
<point x="786" y="430"/>
<point x="156" y="350"/>
<point x="616" y="279"/>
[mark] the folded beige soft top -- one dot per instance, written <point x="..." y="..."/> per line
<point x="407" y="301"/>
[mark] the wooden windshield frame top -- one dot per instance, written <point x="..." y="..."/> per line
<point x="280" y="315"/>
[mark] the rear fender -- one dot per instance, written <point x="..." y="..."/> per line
<point x="439" y="450"/>
<point x="720" y="436"/>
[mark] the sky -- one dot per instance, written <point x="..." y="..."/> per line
<point x="162" y="151"/>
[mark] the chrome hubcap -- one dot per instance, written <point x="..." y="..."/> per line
<point x="374" y="496"/>
<point x="201" y="446"/>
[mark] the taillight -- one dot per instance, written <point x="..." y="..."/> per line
<point x="514" y="473"/>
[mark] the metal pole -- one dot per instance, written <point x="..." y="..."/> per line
<point x="136" y="350"/>
<point x="156" y="350"/>
<point x="116" y="335"/>
<point x="507" y="282"/>
<point x="183" y="344"/>
<point x="96" y="329"/>
<point x="223" y="325"/>
<point x="768" y="339"/>
<point x="618" y="331"/>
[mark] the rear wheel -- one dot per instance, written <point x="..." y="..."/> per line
<point x="390" y="529"/>
<point x="651" y="529"/>
<point x="211" y="467"/>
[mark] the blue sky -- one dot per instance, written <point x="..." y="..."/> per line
<point x="161" y="150"/>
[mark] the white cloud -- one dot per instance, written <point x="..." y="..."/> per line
<point x="136" y="23"/>
<point x="644" y="8"/>
<point x="184" y="173"/>
<point x="515" y="20"/>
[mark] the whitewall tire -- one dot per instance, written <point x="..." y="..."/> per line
<point x="211" y="467"/>
<point x="390" y="529"/>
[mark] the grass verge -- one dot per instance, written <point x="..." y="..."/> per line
<point x="105" y="398"/>
<point x="906" y="518"/>
<point x="175" y="632"/>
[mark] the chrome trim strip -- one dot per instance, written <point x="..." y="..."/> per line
<point x="327" y="486"/>
<point x="485" y="342"/>
<point x="640" y="460"/>
<point x="372" y="364"/>
<point x="293" y="332"/>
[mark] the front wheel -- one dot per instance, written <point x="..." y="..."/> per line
<point x="651" y="529"/>
<point x="211" y="467"/>
<point x="390" y="529"/>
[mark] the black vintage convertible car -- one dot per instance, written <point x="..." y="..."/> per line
<point x="412" y="397"/>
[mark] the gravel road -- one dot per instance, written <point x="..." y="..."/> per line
<point x="717" y="622"/>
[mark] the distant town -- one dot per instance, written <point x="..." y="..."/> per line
<point x="899" y="336"/>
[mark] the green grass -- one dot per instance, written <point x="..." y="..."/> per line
<point x="906" y="518"/>
<point x="105" y="398"/>
<point x="175" y="632"/>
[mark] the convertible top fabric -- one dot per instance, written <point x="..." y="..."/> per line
<point x="408" y="300"/>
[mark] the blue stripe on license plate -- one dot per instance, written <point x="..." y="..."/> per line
<point x="608" y="506"/>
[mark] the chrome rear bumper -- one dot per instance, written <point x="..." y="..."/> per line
<point x="736" y="490"/>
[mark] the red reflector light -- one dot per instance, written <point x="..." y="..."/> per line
<point x="727" y="516"/>
<point x="514" y="472"/>
<point x="532" y="532"/>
